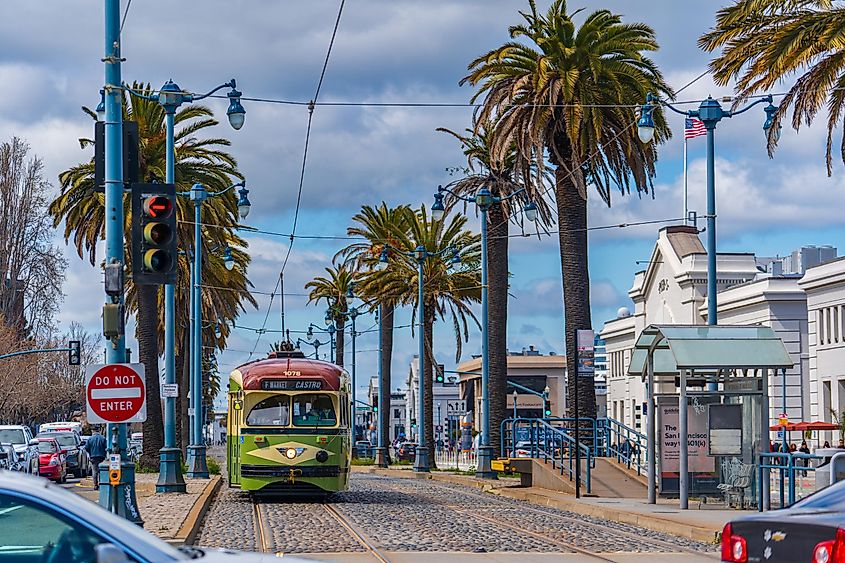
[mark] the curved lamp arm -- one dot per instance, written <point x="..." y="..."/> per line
<point x="762" y="100"/>
<point x="194" y="97"/>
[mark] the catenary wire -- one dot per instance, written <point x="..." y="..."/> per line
<point x="125" y="13"/>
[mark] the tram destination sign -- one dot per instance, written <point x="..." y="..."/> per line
<point x="292" y="384"/>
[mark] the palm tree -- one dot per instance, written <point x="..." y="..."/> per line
<point x="333" y="289"/>
<point x="567" y="93"/>
<point x="764" y="42"/>
<point x="500" y="176"/>
<point x="378" y="227"/>
<point x="448" y="292"/>
<point x="81" y="209"/>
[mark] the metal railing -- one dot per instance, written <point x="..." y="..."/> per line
<point x="789" y="476"/>
<point x="550" y="443"/>
<point x="456" y="459"/>
<point x="628" y="446"/>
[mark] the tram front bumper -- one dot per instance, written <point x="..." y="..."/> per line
<point x="284" y="471"/>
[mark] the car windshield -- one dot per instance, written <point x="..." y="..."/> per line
<point x="272" y="411"/>
<point x="829" y="498"/>
<point x="45" y="447"/>
<point x="313" y="410"/>
<point x="12" y="435"/>
<point x="66" y="440"/>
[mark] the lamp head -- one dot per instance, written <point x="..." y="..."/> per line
<point x="350" y="291"/>
<point x="309" y="336"/>
<point x="645" y="125"/>
<point x="329" y="320"/>
<point x="770" y="110"/>
<point x="218" y="331"/>
<point x="228" y="259"/>
<point x="383" y="258"/>
<point x="530" y="210"/>
<point x="236" y="111"/>
<point x="170" y="96"/>
<point x="243" y="202"/>
<point x="420" y="253"/>
<point x="547" y="391"/>
<point x="455" y="261"/>
<point x="101" y="107"/>
<point x="437" y="208"/>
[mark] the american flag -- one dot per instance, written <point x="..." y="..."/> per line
<point x="693" y="127"/>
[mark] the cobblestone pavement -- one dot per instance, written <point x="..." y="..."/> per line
<point x="396" y="515"/>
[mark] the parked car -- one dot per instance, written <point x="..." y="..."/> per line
<point x="812" y="529"/>
<point x="77" y="457"/>
<point x="53" y="460"/>
<point x="363" y="448"/>
<point x="26" y="451"/>
<point x="8" y="457"/>
<point x="522" y="449"/>
<point x="41" y="522"/>
<point x="61" y="427"/>
<point x="406" y="451"/>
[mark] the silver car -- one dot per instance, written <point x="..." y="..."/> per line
<point x="40" y="521"/>
<point x="26" y="449"/>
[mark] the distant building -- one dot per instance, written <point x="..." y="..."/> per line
<point x="445" y="392"/>
<point x="528" y="368"/>
<point x="798" y="261"/>
<point x="600" y="377"/>
<point x="397" y="408"/>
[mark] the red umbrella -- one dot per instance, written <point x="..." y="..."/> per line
<point x="816" y="426"/>
<point x="789" y="427"/>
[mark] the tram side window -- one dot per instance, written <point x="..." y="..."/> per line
<point x="272" y="411"/>
<point x="313" y="410"/>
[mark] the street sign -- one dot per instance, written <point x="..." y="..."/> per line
<point x="115" y="393"/>
<point x="169" y="390"/>
<point x="456" y="408"/>
<point x="783" y="420"/>
<point x="585" y="357"/>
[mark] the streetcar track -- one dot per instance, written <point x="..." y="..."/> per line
<point x="258" y="523"/>
<point x="359" y="536"/>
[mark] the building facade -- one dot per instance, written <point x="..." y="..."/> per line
<point x="444" y="392"/>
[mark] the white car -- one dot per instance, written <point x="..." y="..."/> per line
<point x="40" y="521"/>
<point x="26" y="449"/>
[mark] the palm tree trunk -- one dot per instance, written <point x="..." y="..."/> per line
<point x="497" y="336"/>
<point x="572" y="219"/>
<point x="147" y="332"/>
<point x="428" y="397"/>
<point x="339" y="335"/>
<point x="386" y="321"/>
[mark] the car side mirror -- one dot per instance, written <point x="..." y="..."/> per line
<point x="110" y="553"/>
<point x="33" y="442"/>
<point x="63" y="452"/>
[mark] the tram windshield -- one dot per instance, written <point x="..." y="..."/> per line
<point x="313" y="410"/>
<point x="273" y="411"/>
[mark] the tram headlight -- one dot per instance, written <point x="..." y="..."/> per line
<point x="322" y="456"/>
<point x="290" y="453"/>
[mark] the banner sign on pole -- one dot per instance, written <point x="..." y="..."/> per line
<point x="585" y="340"/>
<point x="115" y="393"/>
<point x="169" y="390"/>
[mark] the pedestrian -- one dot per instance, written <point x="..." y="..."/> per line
<point x="826" y="444"/>
<point x="841" y="443"/>
<point x="96" y="448"/>
<point x="804" y="449"/>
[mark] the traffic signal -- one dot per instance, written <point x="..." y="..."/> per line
<point x="375" y="404"/>
<point x="547" y="407"/>
<point x="438" y="373"/>
<point x="154" y="253"/>
<point x="74" y="354"/>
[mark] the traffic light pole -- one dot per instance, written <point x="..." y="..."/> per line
<point x="170" y="478"/>
<point x="197" y="465"/>
<point x="121" y="497"/>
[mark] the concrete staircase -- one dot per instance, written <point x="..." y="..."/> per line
<point x="608" y="479"/>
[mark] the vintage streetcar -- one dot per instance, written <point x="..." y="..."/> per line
<point x="289" y="426"/>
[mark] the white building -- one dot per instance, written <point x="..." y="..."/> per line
<point x="672" y="290"/>
<point x="397" y="409"/>
<point x="443" y="392"/>
<point x="600" y="377"/>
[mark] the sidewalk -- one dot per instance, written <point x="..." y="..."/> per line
<point x="702" y="523"/>
<point x="174" y="517"/>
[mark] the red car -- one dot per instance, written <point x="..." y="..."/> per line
<point x="52" y="460"/>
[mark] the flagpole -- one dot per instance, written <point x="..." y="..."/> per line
<point x="686" y="203"/>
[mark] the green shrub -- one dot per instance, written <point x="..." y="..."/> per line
<point x="213" y="466"/>
<point x="363" y="461"/>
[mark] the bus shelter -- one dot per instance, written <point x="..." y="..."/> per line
<point x="721" y="366"/>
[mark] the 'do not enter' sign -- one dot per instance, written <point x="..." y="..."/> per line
<point x="115" y="393"/>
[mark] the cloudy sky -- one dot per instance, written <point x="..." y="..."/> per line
<point x="390" y="51"/>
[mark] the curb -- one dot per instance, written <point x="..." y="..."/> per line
<point x="647" y="521"/>
<point x="189" y="529"/>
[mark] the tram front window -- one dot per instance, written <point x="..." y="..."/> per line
<point x="313" y="410"/>
<point x="272" y="411"/>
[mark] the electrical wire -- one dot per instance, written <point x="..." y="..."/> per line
<point x="302" y="170"/>
<point x="125" y="13"/>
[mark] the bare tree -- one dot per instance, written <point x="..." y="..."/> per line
<point x="32" y="269"/>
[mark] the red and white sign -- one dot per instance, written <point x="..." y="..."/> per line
<point x="115" y="393"/>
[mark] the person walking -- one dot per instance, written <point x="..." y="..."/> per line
<point x="96" y="448"/>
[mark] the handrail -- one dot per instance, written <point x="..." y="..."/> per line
<point x="540" y="448"/>
<point x="787" y="470"/>
<point x="636" y="456"/>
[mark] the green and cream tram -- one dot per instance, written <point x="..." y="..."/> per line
<point x="288" y="426"/>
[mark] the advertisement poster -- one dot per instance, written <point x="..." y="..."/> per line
<point x="586" y="362"/>
<point x="699" y="460"/>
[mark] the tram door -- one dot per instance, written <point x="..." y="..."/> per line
<point x="235" y="421"/>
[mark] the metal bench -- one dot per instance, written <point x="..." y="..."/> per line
<point x="737" y="480"/>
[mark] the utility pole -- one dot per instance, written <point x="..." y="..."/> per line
<point x="282" y="297"/>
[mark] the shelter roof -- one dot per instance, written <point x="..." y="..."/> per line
<point x="704" y="348"/>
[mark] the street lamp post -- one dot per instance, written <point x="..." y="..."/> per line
<point x="316" y="344"/>
<point x="483" y="200"/>
<point x="170" y="97"/>
<point x="439" y="422"/>
<point x="710" y="112"/>
<point x="420" y="254"/>
<point x="197" y="466"/>
<point x="383" y="399"/>
<point x="515" y="395"/>
<point x="331" y="330"/>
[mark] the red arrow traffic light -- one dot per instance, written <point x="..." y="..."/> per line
<point x="158" y="206"/>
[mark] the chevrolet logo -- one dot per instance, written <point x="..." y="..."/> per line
<point x="778" y="536"/>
